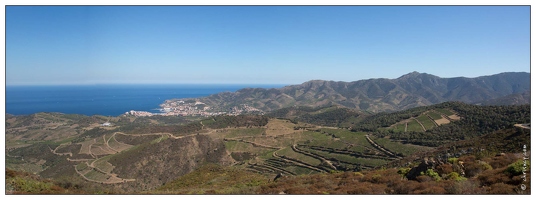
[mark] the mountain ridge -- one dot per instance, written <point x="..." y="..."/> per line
<point x="378" y="94"/>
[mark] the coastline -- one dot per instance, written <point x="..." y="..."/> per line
<point x="107" y="100"/>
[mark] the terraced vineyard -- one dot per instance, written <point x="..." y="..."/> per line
<point x="413" y="125"/>
<point x="318" y="149"/>
<point x="425" y="121"/>
<point x="403" y="149"/>
<point x="279" y="146"/>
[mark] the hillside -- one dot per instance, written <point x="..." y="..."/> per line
<point x="242" y="154"/>
<point x="376" y="95"/>
<point x="513" y="99"/>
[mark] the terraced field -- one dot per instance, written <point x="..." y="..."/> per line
<point x="425" y="121"/>
<point x="445" y="111"/>
<point x="434" y="115"/>
<point x="278" y="147"/>
<point x="316" y="150"/>
<point x="291" y="153"/>
<point x="404" y="149"/>
<point x="414" y="126"/>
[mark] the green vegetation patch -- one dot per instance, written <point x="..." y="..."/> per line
<point x="356" y="138"/>
<point x="22" y="185"/>
<point x="81" y="167"/>
<point x="434" y="115"/>
<point x="397" y="147"/>
<point x="445" y="111"/>
<point x="103" y="164"/>
<point x="400" y="127"/>
<point x="350" y="159"/>
<point x="518" y="167"/>
<point x="414" y="126"/>
<point x="426" y="122"/>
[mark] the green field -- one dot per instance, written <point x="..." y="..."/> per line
<point x="103" y="164"/>
<point x="328" y="143"/>
<point x="359" y="148"/>
<point x="341" y="157"/>
<point x="351" y="159"/>
<point x="399" y="127"/>
<point x="434" y="115"/>
<point x="356" y="138"/>
<point x="445" y="111"/>
<point x="81" y="167"/>
<point x="426" y="122"/>
<point x="397" y="147"/>
<point x="315" y="138"/>
<point x="414" y="126"/>
<point x="267" y="154"/>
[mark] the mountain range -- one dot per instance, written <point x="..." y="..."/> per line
<point x="377" y="95"/>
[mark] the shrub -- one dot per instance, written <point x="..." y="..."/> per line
<point x="452" y="160"/>
<point x="491" y="177"/>
<point x="403" y="171"/>
<point x="444" y="169"/>
<point x="502" y="161"/>
<point x="455" y="176"/>
<point x="406" y="187"/>
<point x="518" y="167"/>
<point x="423" y="178"/>
<point x="367" y="188"/>
<point x="502" y="188"/>
<point x="359" y="174"/>
<point x="431" y="173"/>
<point x="431" y="190"/>
<point x="476" y="167"/>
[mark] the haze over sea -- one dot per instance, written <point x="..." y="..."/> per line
<point x="107" y="100"/>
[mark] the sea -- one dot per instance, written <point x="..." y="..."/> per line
<point x="107" y="100"/>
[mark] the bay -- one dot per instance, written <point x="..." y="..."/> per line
<point x="107" y="100"/>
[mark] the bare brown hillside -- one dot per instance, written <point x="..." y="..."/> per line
<point x="156" y="164"/>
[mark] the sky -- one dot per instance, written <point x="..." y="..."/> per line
<point x="70" y="45"/>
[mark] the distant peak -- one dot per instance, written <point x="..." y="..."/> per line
<point x="409" y="75"/>
<point x="415" y="74"/>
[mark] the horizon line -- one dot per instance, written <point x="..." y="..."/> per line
<point x="96" y="84"/>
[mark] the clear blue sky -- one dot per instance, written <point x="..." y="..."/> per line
<point x="260" y="44"/>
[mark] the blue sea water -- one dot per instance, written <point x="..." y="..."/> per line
<point x="107" y="100"/>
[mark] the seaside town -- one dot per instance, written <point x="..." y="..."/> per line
<point x="177" y="107"/>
